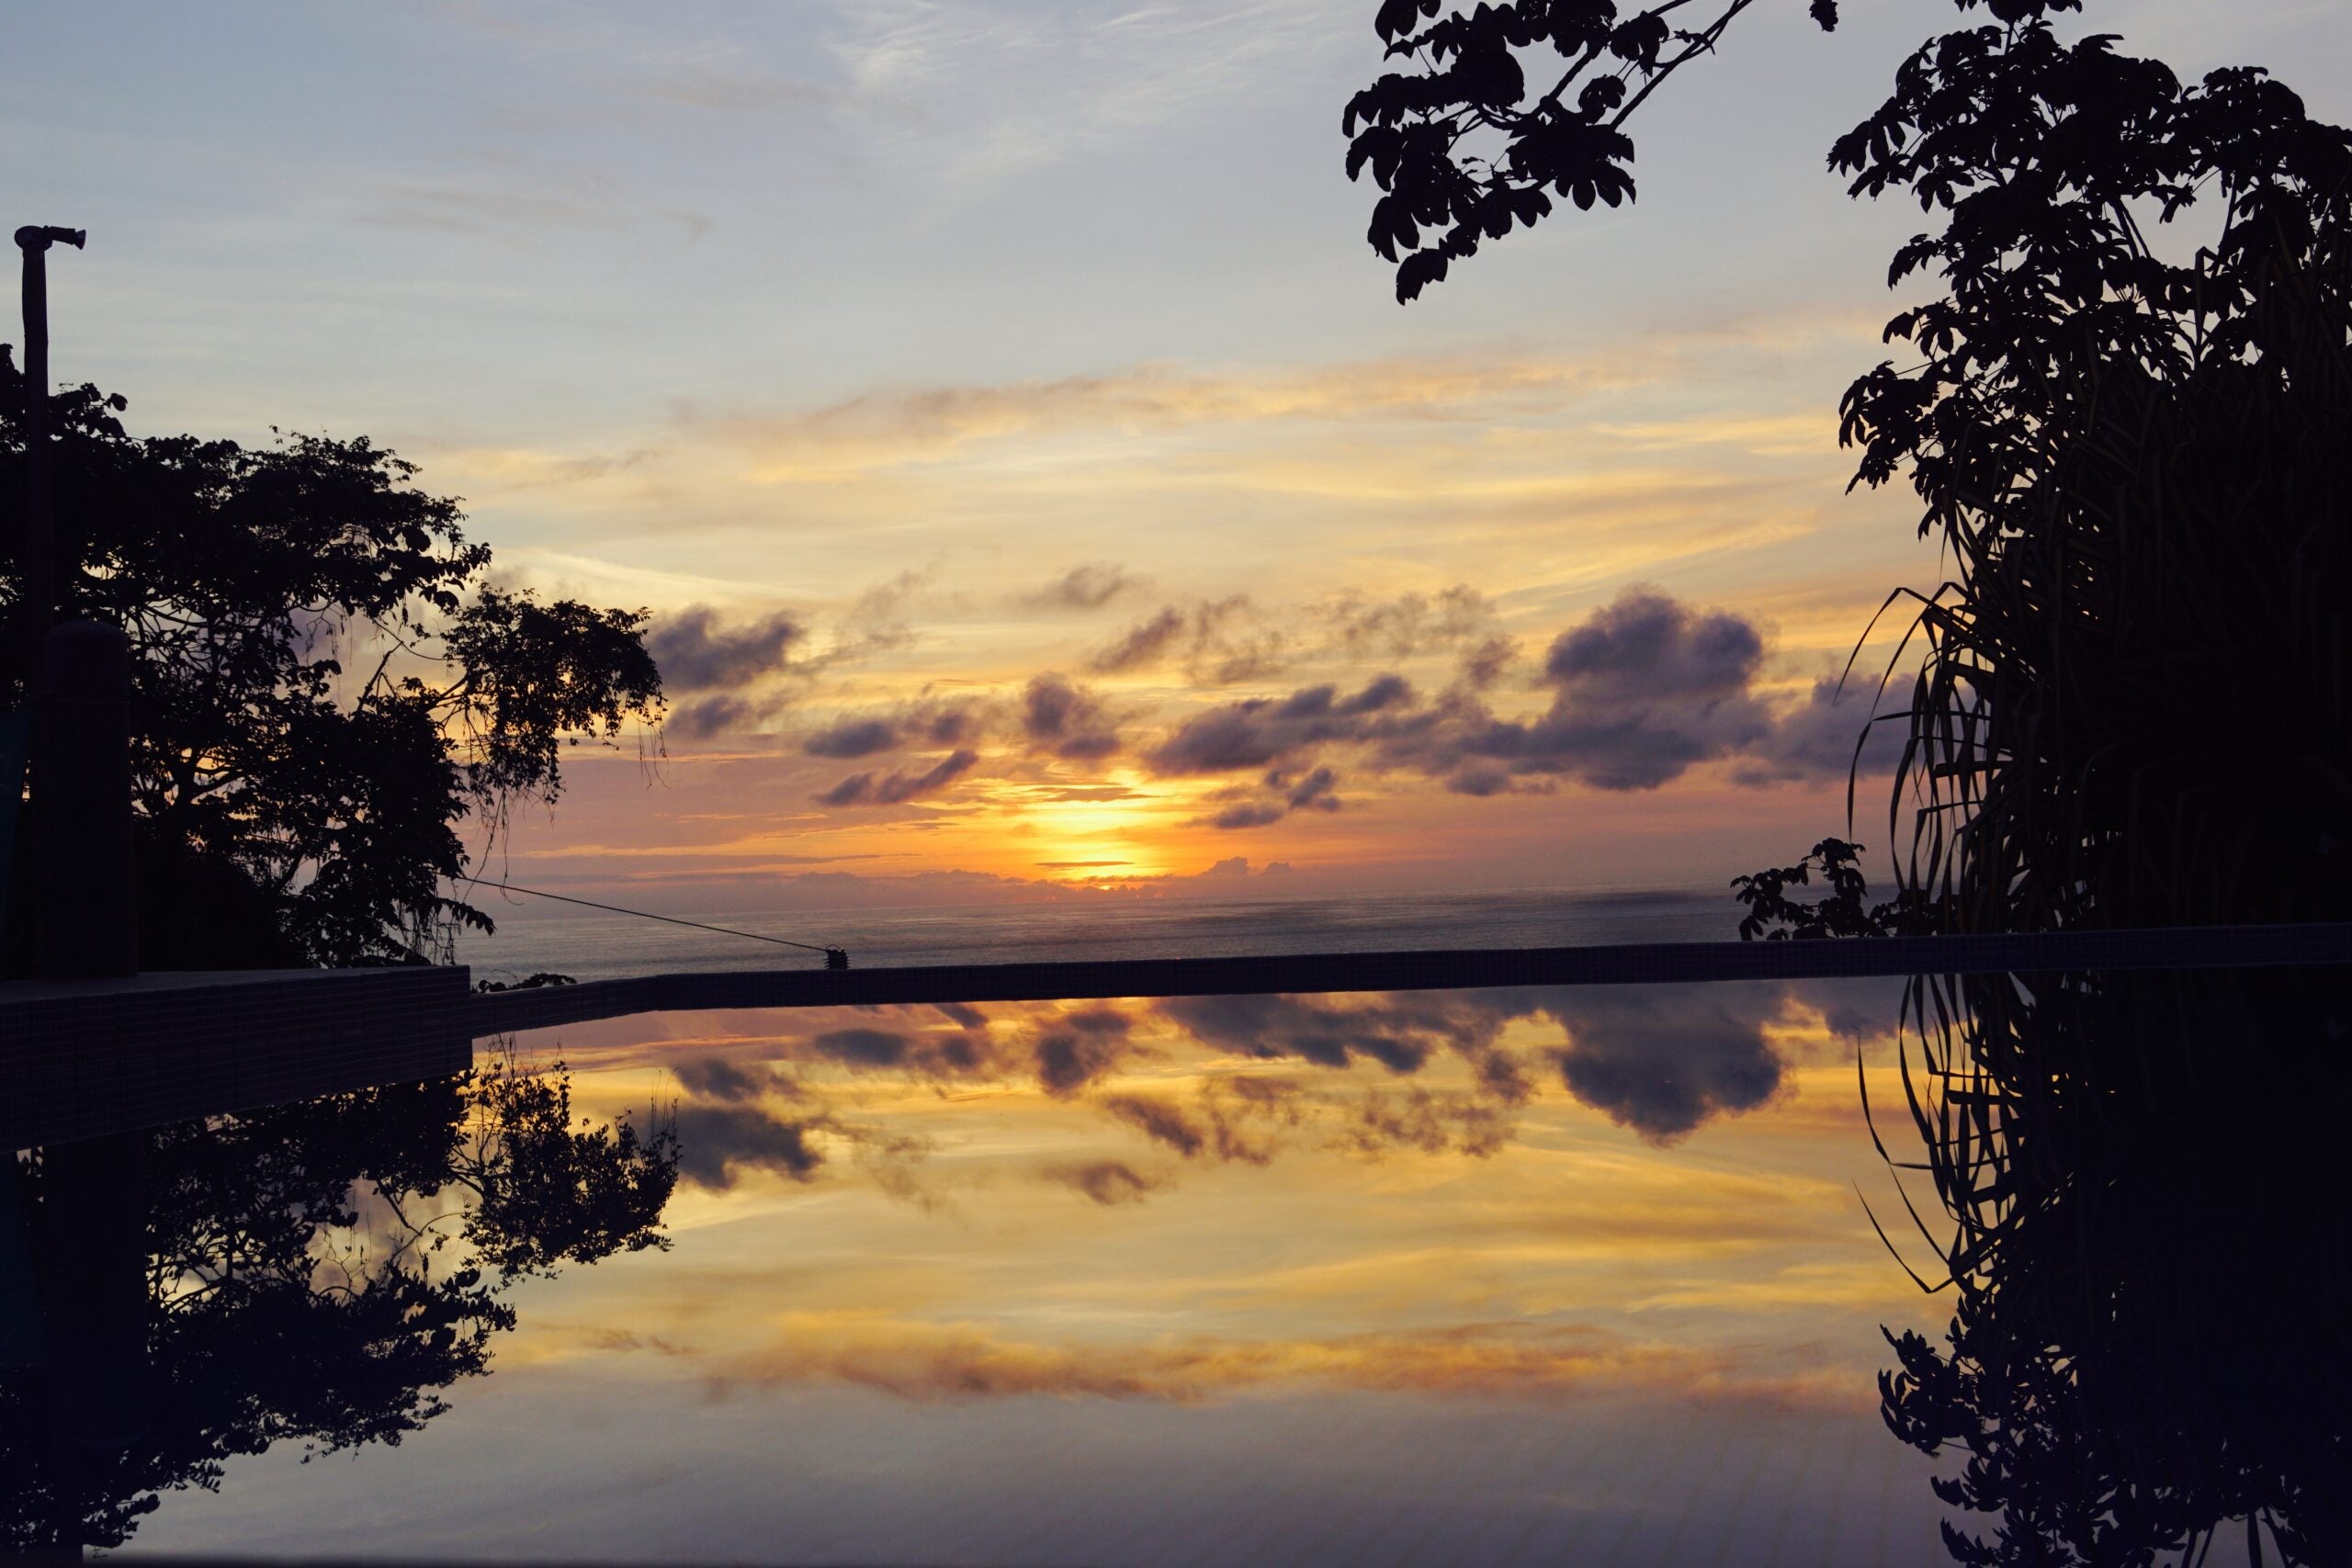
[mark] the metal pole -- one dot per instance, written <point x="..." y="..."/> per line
<point x="40" y="603"/>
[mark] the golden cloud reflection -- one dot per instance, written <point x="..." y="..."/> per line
<point x="932" y="1361"/>
<point x="1141" y="1228"/>
<point x="1519" y="1195"/>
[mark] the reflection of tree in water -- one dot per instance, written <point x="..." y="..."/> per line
<point x="316" y="1274"/>
<point x="2149" y="1264"/>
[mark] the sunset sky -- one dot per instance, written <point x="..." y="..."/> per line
<point x="1029" y="474"/>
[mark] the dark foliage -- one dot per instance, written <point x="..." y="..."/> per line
<point x="2131" y="711"/>
<point x="1467" y="146"/>
<point x="292" y="810"/>
<point x="538" y="981"/>
<point x="2149" y="1267"/>
<point x="316" y="1274"/>
<point x="1773" y="915"/>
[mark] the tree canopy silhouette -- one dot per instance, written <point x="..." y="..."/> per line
<point x="291" y="809"/>
<point x="317" y="1273"/>
<point x="2129" y="711"/>
<point x="1467" y="146"/>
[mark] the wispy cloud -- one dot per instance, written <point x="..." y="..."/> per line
<point x="921" y="424"/>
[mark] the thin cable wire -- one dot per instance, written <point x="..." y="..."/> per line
<point x="647" y="915"/>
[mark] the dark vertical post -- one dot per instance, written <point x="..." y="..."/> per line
<point x="85" y="915"/>
<point x="89" y="1238"/>
<point x="40" y="521"/>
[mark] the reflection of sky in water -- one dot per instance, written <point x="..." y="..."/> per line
<point x="1477" y="1277"/>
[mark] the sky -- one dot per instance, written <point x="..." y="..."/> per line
<point x="1031" y="481"/>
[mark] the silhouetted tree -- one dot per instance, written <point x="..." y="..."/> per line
<point x="2131" y="711"/>
<point x="293" y="810"/>
<point x="317" y="1274"/>
<point x="1467" y="146"/>
<point x="2137" y="460"/>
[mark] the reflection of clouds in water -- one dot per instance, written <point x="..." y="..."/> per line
<point x="1080" y="1047"/>
<point x="963" y="1054"/>
<point x="1218" y="1123"/>
<point x="718" y="1141"/>
<point x="1663" y="1061"/>
<point x="1660" y="1062"/>
<point x="1401" y="1033"/>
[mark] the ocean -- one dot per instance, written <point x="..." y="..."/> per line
<point x="536" y="936"/>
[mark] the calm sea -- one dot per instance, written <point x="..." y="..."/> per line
<point x="587" y="944"/>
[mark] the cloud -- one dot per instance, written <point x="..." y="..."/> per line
<point x="1312" y="793"/>
<point x="698" y="654"/>
<point x="1216" y="641"/>
<point x="1482" y="664"/>
<point x="1827" y="738"/>
<point x="717" y="664"/>
<point x="1107" y="1182"/>
<point x="1408" y="623"/>
<point x="917" y="724"/>
<point x="1144" y="644"/>
<point x="1260" y="730"/>
<point x="1087" y="587"/>
<point x="1644" y="647"/>
<point x="853" y="738"/>
<point x="1643" y="690"/>
<point x="1277" y="795"/>
<point x="921" y="424"/>
<point x="706" y="717"/>
<point x="1065" y="719"/>
<point x="867" y="789"/>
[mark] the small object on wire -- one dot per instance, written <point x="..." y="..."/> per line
<point x="835" y="957"/>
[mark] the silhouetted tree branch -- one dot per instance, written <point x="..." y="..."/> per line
<point x="291" y="810"/>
